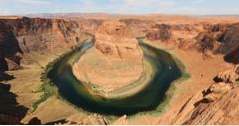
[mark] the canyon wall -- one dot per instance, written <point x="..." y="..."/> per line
<point x="24" y="35"/>
<point x="10" y="52"/>
<point x="231" y="41"/>
<point x="219" y="104"/>
<point x="44" y="34"/>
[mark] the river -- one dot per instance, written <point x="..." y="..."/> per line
<point x="147" y="93"/>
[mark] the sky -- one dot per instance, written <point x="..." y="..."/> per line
<point x="182" y="7"/>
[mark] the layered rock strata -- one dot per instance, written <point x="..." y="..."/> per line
<point x="115" y="61"/>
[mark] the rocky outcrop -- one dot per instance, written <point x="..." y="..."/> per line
<point x="19" y="36"/>
<point x="115" y="29"/>
<point x="115" y="52"/>
<point x="35" y="34"/>
<point x="214" y="27"/>
<point x="184" y="27"/>
<point x="115" y="39"/>
<point x="223" y="110"/>
<point x="139" y="27"/>
<point x="90" y="25"/>
<point x="220" y="39"/>
<point x="160" y="32"/>
<point x="229" y="76"/>
<point x="104" y="48"/>
<point x="217" y="105"/>
<point x="208" y="39"/>
<point x="230" y="39"/>
<point x="230" y="44"/>
<point x="205" y="41"/>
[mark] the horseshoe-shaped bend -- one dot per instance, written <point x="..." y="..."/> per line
<point x="146" y="93"/>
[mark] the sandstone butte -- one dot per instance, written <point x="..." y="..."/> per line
<point x="115" y="60"/>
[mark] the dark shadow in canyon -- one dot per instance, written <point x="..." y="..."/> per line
<point x="6" y="77"/>
<point x="11" y="112"/>
<point x="34" y="121"/>
<point x="10" y="51"/>
<point x="232" y="57"/>
<point x="61" y="121"/>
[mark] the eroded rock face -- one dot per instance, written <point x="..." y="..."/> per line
<point x="229" y="76"/>
<point x="19" y="36"/>
<point x="215" y="92"/>
<point x="90" y="25"/>
<point x="139" y="27"/>
<point x="221" y="111"/>
<point x="10" y="52"/>
<point x="220" y="39"/>
<point x="184" y="27"/>
<point x="116" y="59"/>
<point x="115" y="28"/>
<point x="214" y="27"/>
<point x="230" y="41"/>
<point x="232" y="57"/>
<point x="205" y="42"/>
<point x="35" y="34"/>
<point x="115" y="39"/>
<point x="217" y="105"/>
<point x="160" y="32"/>
<point x="3" y="63"/>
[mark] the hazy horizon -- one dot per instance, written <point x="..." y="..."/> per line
<point x="135" y="7"/>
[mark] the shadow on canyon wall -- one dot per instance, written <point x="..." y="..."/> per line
<point x="10" y="52"/>
<point x="10" y="110"/>
<point x="5" y="77"/>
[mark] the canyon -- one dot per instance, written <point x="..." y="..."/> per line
<point x="205" y="47"/>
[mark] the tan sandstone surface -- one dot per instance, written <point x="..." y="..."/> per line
<point x="114" y="61"/>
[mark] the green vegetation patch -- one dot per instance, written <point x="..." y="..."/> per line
<point x="47" y="88"/>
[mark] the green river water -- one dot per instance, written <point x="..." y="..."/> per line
<point x="161" y="69"/>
